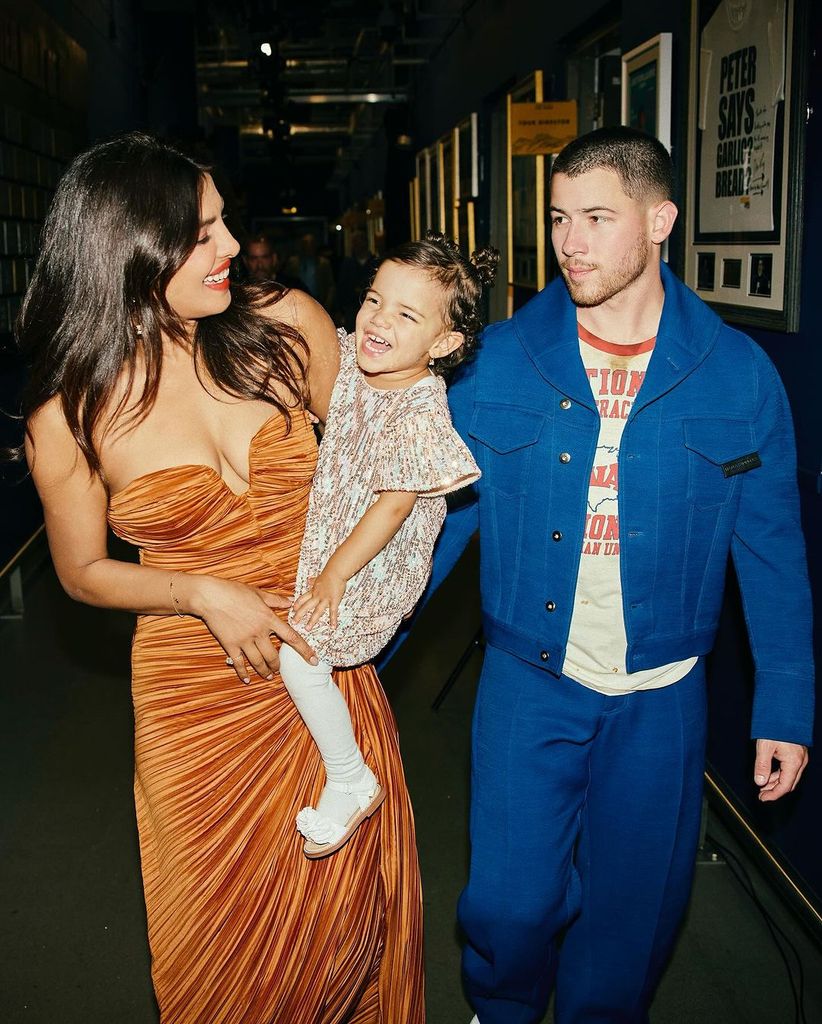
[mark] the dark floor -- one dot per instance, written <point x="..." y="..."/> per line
<point x="72" y="927"/>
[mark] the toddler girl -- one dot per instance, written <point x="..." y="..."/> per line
<point x="389" y="455"/>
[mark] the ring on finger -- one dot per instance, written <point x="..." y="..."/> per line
<point x="229" y="662"/>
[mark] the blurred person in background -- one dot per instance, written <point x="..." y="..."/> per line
<point x="262" y="263"/>
<point x="356" y="273"/>
<point x="313" y="269"/>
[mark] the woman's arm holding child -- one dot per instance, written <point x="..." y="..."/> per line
<point x="75" y="502"/>
<point x="376" y="528"/>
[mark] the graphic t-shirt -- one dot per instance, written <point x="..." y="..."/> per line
<point x="597" y="642"/>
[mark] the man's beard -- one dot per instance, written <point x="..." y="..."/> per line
<point x="587" y="294"/>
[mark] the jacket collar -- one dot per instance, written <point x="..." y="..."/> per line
<point x="547" y="329"/>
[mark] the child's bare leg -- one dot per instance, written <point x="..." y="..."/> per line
<point x="350" y="783"/>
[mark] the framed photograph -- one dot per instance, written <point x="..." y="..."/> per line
<point x="467" y="160"/>
<point x="731" y="273"/>
<point x="761" y="271"/>
<point x="446" y="148"/>
<point x="414" y="207"/>
<point x="523" y="222"/>
<point x="434" y="189"/>
<point x="746" y="158"/>
<point x="646" y="88"/>
<point x="423" y="178"/>
<point x="526" y="207"/>
<point x="705" y="271"/>
<point x="467" y="142"/>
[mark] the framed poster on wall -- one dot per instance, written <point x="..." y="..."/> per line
<point x="526" y="206"/>
<point x="746" y="159"/>
<point x="414" y="207"/>
<point x="646" y="88"/>
<point x="423" y="178"/>
<point x="467" y="161"/>
<point x="446" y="149"/>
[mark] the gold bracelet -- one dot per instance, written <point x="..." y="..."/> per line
<point x="174" y="603"/>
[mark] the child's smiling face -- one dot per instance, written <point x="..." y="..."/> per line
<point x="402" y="325"/>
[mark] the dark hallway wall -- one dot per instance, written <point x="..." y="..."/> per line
<point x="69" y="74"/>
<point x="111" y="41"/>
<point x="497" y="42"/>
<point x="113" y="67"/>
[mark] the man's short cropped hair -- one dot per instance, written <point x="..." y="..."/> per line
<point x="642" y="163"/>
<point x="261" y="238"/>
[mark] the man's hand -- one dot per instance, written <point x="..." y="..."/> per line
<point x="791" y="759"/>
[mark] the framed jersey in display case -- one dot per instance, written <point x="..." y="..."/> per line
<point x="746" y="158"/>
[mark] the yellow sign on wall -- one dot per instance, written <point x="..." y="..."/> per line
<point x="542" y="127"/>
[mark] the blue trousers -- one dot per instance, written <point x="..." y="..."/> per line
<point x="585" y="817"/>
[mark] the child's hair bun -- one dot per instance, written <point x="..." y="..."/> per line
<point x="486" y="261"/>
<point x="438" y="238"/>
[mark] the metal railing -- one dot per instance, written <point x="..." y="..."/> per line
<point x="11" y="576"/>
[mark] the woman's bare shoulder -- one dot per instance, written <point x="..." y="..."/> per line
<point x="48" y="422"/>
<point x="297" y="309"/>
<point x="52" y="451"/>
<point x="300" y="311"/>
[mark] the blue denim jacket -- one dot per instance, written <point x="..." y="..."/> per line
<point x="710" y="398"/>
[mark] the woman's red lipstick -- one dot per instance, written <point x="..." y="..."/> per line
<point x="224" y="284"/>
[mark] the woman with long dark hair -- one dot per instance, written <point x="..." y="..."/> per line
<point x="173" y="408"/>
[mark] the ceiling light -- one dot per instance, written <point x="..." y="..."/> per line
<point x="266" y="49"/>
<point x="346" y="96"/>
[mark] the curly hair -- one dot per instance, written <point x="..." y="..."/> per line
<point x="463" y="279"/>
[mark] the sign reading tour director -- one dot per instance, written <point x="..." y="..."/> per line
<point x="741" y="83"/>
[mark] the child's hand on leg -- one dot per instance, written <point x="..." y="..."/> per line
<point x="325" y="594"/>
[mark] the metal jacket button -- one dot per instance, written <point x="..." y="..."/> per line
<point x="564" y="457"/>
<point x="550" y="606"/>
<point x="565" y="403"/>
<point x="556" y="535"/>
<point x="544" y="655"/>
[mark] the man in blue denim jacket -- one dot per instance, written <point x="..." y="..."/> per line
<point x="629" y="441"/>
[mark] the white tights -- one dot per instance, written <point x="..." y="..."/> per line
<point x="325" y="713"/>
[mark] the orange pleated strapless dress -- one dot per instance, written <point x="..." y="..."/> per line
<point x="243" y="928"/>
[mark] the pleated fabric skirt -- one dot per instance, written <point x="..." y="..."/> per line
<point x="243" y="928"/>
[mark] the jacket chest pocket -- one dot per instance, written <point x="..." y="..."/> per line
<point x="507" y="445"/>
<point x="713" y="444"/>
